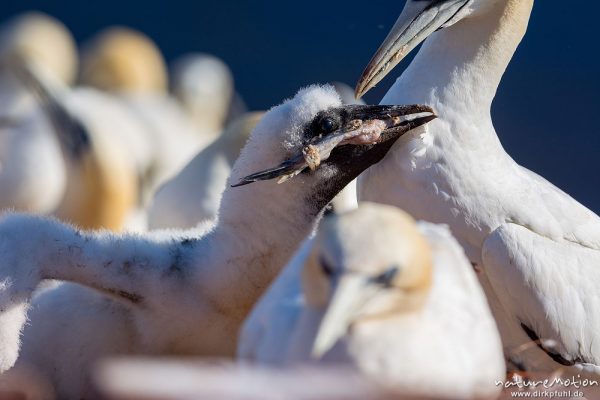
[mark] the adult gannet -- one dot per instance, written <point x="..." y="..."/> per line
<point x="32" y="168"/>
<point x="193" y="196"/>
<point x="127" y="63"/>
<point x="538" y="247"/>
<point x="186" y="293"/>
<point x="399" y="301"/>
<point x="101" y="188"/>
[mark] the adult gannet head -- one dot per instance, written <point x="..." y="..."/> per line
<point x="124" y="60"/>
<point x="41" y="39"/>
<point x="418" y="20"/>
<point x="366" y="264"/>
<point x="327" y="142"/>
<point x="204" y="86"/>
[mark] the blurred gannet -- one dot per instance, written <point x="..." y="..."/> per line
<point x="539" y="248"/>
<point x="204" y="86"/>
<point x="399" y="301"/>
<point x="32" y="168"/>
<point x="101" y="188"/>
<point x="186" y="293"/>
<point x="127" y="63"/>
<point x="43" y="40"/>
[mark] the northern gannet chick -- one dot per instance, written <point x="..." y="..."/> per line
<point x="537" y="247"/>
<point x="43" y="40"/>
<point x="397" y="300"/>
<point x="187" y="293"/>
<point x="204" y="86"/>
<point x="193" y="196"/>
<point x="102" y="184"/>
<point x="127" y="63"/>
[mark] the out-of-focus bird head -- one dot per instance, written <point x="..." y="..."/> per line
<point x="124" y="60"/>
<point x="204" y="85"/>
<point x="370" y="263"/>
<point x="42" y="40"/>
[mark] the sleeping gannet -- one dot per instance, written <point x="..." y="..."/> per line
<point x="539" y="248"/>
<point x="397" y="300"/>
<point x="186" y="293"/>
<point x="128" y="64"/>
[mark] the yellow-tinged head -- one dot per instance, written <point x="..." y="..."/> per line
<point x="124" y="60"/>
<point x="369" y="263"/>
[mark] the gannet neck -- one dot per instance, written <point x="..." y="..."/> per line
<point x="261" y="225"/>
<point x="461" y="66"/>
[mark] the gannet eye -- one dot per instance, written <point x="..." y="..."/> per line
<point x="328" y="270"/>
<point x="386" y="278"/>
<point x="327" y="125"/>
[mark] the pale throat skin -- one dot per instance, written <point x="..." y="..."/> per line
<point x="458" y="73"/>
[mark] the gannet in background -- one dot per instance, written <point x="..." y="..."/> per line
<point x="193" y="196"/>
<point x="537" y="246"/>
<point x="32" y="168"/>
<point x="102" y="185"/>
<point x="186" y="293"/>
<point x="204" y="86"/>
<point x="397" y="300"/>
<point x="44" y="40"/>
<point x="128" y="63"/>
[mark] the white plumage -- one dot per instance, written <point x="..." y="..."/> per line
<point x="172" y="293"/>
<point x="537" y="245"/>
<point x="428" y="331"/>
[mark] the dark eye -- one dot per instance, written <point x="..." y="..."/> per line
<point x="327" y="125"/>
<point x="386" y="278"/>
<point x="326" y="267"/>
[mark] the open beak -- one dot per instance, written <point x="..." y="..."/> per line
<point x="365" y="126"/>
<point x="418" y="20"/>
<point x="349" y="296"/>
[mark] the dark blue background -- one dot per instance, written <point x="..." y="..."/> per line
<point x="547" y="111"/>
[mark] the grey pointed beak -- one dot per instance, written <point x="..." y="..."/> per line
<point x="366" y="126"/>
<point x="418" y="20"/>
<point x="348" y="298"/>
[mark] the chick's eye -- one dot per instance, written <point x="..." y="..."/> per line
<point x="327" y="125"/>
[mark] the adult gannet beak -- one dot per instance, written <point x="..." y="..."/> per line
<point x="72" y="134"/>
<point x="418" y="20"/>
<point x="362" y="126"/>
<point x="349" y="296"/>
